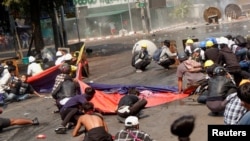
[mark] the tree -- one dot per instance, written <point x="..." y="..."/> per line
<point x="33" y="8"/>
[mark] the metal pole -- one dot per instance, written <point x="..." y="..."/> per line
<point x="77" y="24"/>
<point x="130" y="17"/>
<point x="65" y="41"/>
<point x="149" y="15"/>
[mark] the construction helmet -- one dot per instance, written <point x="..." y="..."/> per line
<point x="243" y="81"/>
<point x="208" y="63"/>
<point x="189" y="41"/>
<point x="144" y="45"/>
<point x="209" y="43"/>
<point x="202" y="44"/>
<point x="219" y="71"/>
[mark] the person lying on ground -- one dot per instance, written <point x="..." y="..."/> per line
<point x="95" y="127"/>
<point x="7" y="122"/>
<point x="130" y="104"/>
<point x="132" y="131"/>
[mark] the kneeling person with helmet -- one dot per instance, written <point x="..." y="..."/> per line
<point x="220" y="85"/>
<point x="141" y="59"/>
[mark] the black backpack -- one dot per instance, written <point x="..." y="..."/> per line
<point x="240" y="41"/>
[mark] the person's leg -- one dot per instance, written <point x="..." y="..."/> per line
<point x="20" y="121"/>
<point x="22" y="97"/>
<point x="68" y="115"/>
<point x="9" y="97"/>
<point x="138" y="106"/>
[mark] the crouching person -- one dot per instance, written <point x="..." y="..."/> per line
<point x="219" y="87"/>
<point x="141" y="59"/>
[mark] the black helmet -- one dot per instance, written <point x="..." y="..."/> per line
<point x="219" y="71"/>
<point x="240" y="40"/>
<point x="182" y="57"/>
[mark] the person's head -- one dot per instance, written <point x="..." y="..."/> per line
<point x="144" y="46"/>
<point x="209" y="44"/>
<point x="132" y="122"/>
<point x="133" y="91"/>
<point x="183" y="127"/>
<point x="65" y="68"/>
<point x="59" y="53"/>
<point x="88" y="106"/>
<point x="90" y="92"/>
<point x="68" y="57"/>
<point x="189" y="42"/>
<point x="243" y="93"/>
<point x="223" y="42"/>
<point x="229" y="37"/>
<point x="166" y="43"/>
<point x="32" y="59"/>
<point x="196" y="52"/>
<point x="23" y="77"/>
<point x="182" y="57"/>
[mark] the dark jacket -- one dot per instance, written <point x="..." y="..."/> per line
<point x="227" y="57"/>
<point x="212" y="53"/>
<point x="66" y="89"/>
<point x="219" y="87"/>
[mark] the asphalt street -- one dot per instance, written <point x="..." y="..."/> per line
<point x="112" y="66"/>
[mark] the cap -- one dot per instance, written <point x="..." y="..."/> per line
<point x="144" y="45"/>
<point x="131" y="121"/>
<point x="223" y="40"/>
<point x="58" y="53"/>
<point x="32" y="59"/>
<point x="68" y="56"/>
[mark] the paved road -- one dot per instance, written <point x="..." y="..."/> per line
<point x="114" y="68"/>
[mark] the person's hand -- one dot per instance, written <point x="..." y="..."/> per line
<point x="42" y="96"/>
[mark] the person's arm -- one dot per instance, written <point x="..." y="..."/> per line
<point x="33" y="91"/>
<point x="105" y="126"/>
<point x="179" y="85"/>
<point x="77" y="127"/>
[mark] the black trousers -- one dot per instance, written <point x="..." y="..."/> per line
<point x="69" y="115"/>
<point x="134" y="109"/>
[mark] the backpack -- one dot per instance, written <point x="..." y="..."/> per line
<point x="240" y="41"/>
<point x="156" y="55"/>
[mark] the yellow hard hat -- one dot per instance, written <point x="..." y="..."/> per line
<point x="189" y="41"/>
<point x="243" y="81"/>
<point x="144" y="45"/>
<point x="208" y="63"/>
<point x="209" y="44"/>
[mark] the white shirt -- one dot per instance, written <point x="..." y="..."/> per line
<point x="34" y="68"/>
<point x="4" y="80"/>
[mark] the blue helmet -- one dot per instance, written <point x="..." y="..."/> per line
<point x="212" y="39"/>
<point x="202" y="44"/>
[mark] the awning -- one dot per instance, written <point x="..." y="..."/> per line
<point x="92" y="15"/>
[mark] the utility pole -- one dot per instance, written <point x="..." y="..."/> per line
<point x="130" y="17"/>
<point x="143" y="17"/>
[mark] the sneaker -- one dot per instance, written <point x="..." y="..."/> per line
<point x="138" y="71"/>
<point x="60" y="130"/>
<point x="35" y="121"/>
<point x="70" y="125"/>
